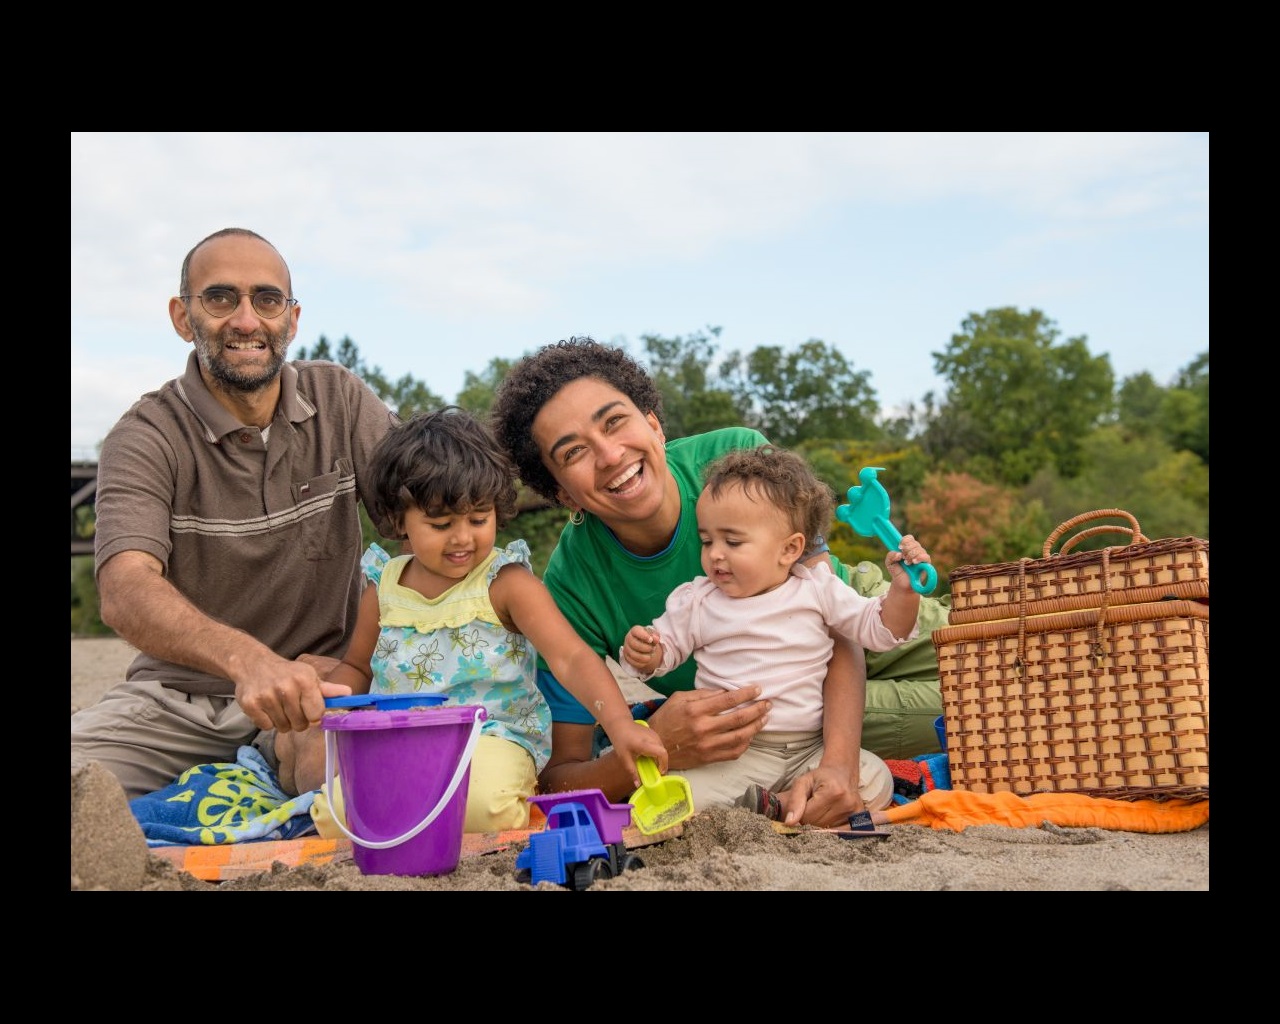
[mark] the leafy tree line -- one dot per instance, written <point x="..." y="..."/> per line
<point x="1029" y="431"/>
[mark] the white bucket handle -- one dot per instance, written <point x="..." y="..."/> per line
<point x="464" y="762"/>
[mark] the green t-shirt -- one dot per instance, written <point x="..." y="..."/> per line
<point x="604" y="590"/>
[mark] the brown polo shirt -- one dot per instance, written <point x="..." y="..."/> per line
<point x="264" y="536"/>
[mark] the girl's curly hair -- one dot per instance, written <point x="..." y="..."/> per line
<point x="442" y="462"/>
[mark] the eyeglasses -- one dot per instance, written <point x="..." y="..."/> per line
<point x="222" y="302"/>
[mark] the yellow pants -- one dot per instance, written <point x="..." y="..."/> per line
<point x="502" y="776"/>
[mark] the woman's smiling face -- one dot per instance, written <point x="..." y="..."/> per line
<point x="608" y="457"/>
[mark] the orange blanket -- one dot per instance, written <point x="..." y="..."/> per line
<point x="235" y="860"/>
<point x="957" y="809"/>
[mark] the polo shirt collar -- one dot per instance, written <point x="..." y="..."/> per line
<point x="217" y="421"/>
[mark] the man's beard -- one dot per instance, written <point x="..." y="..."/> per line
<point x="209" y="350"/>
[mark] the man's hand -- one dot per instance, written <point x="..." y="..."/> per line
<point x="285" y="695"/>
<point x="823" y="797"/>
<point x="704" y="726"/>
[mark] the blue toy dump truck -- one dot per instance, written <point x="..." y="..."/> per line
<point x="582" y="841"/>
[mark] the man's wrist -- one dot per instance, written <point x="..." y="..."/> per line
<point x="843" y="766"/>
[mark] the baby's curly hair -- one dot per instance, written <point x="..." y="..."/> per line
<point x="441" y="462"/>
<point x="538" y="378"/>
<point x="780" y="477"/>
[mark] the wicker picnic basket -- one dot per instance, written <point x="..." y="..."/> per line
<point x="1084" y="673"/>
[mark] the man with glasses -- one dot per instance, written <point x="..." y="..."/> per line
<point x="228" y="538"/>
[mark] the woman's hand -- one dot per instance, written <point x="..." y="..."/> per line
<point x="704" y="726"/>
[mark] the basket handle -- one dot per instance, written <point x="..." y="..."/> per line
<point x="1133" y="530"/>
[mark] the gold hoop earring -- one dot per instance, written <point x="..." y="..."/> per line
<point x="576" y="517"/>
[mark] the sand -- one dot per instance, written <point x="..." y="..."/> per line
<point x="719" y="850"/>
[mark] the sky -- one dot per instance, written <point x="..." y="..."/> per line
<point x="436" y="252"/>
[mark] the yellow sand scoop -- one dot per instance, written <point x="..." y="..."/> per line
<point x="661" y="802"/>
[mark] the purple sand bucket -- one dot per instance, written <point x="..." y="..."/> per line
<point x="405" y="774"/>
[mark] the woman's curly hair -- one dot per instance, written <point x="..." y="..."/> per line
<point x="538" y="378"/>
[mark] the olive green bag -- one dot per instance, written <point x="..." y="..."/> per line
<point x="903" y="692"/>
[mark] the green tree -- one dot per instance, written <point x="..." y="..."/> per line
<point x="349" y="356"/>
<point x="807" y="393"/>
<point x="321" y="351"/>
<point x="1185" y="413"/>
<point x="1179" y="413"/>
<point x="964" y="521"/>
<point x="405" y="395"/>
<point x="1016" y="400"/>
<point x="910" y="423"/>
<point x="682" y="368"/>
<point x="478" y="389"/>
<point x="539" y="525"/>
<point x="1138" y="402"/>
<point x="85" y="620"/>
<point x="408" y="396"/>
<point x="1167" y="491"/>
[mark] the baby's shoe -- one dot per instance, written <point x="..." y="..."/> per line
<point x="760" y="800"/>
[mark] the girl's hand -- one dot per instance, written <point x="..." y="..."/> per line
<point x="632" y="740"/>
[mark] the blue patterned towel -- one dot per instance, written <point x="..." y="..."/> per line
<point x="213" y="804"/>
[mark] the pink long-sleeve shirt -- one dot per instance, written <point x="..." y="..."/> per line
<point x="778" y="640"/>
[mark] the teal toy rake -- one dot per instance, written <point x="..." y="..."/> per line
<point x="868" y="513"/>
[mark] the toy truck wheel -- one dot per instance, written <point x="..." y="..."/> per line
<point x="524" y="876"/>
<point x="630" y="863"/>
<point x="588" y="871"/>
